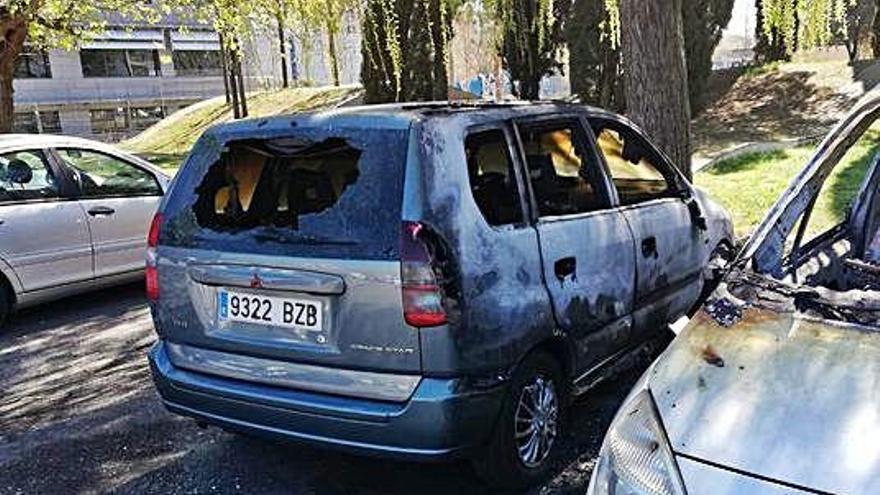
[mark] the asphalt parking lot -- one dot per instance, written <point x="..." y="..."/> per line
<point x="78" y="414"/>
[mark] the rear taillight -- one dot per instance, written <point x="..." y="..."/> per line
<point x="152" y="273"/>
<point x="422" y="294"/>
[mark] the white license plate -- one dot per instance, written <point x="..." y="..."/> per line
<point x="275" y="311"/>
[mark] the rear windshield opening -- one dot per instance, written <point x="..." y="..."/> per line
<point x="333" y="193"/>
<point x="275" y="183"/>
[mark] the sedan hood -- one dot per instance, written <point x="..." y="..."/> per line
<point x="776" y="396"/>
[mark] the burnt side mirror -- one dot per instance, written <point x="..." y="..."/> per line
<point x="696" y="212"/>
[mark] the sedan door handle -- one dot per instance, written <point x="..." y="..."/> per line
<point x="101" y="211"/>
<point x="649" y="247"/>
<point x="565" y="267"/>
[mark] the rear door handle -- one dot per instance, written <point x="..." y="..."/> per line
<point x="101" y="211"/>
<point x="565" y="267"/>
<point x="649" y="247"/>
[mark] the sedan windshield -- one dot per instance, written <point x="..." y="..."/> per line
<point x="820" y="245"/>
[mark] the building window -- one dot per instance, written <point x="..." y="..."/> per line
<point x="143" y="117"/>
<point x="197" y="62"/>
<point x="120" y="122"/>
<point x="32" y="64"/>
<point x="120" y="63"/>
<point x="108" y="121"/>
<point x="45" y="122"/>
<point x="25" y="123"/>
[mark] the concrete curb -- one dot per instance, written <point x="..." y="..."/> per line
<point x="753" y="147"/>
<point x="355" y="99"/>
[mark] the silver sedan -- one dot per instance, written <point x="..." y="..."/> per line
<point x="773" y="388"/>
<point x="74" y="216"/>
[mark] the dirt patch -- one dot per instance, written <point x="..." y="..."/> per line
<point x="779" y="102"/>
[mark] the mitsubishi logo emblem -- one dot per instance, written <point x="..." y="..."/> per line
<point x="256" y="282"/>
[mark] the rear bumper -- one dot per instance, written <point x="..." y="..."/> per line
<point x="442" y="419"/>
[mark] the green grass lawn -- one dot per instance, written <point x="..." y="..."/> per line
<point x="750" y="184"/>
<point x="167" y="143"/>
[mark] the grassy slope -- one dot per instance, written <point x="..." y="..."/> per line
<point x="167" y="142"/>
<point x="750" y="184"/>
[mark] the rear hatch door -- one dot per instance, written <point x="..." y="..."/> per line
<point x="281" y="242"/>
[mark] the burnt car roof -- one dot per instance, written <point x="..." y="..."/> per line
<point x="402" y="115"/>
<point x="415" y="110"/>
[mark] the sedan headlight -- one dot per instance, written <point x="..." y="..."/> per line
<point x="636" y="458"/>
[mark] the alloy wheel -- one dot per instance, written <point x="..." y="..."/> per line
<point x="536" y="417"/>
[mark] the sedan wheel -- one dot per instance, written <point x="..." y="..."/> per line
<point x="5" y="304"/>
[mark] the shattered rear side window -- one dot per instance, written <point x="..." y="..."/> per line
<point x="313" y="194"/>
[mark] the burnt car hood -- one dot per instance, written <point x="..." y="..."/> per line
<point x="776" y="396"/>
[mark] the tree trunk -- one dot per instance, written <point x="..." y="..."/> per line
<point x="224" y="67"/>
<point x="529" y="88"/>
<point x="7" y="106"/>
<point x="655" y="75"/>
<point x="860" y="30"/>
<point x="499" y="77"/>
<point x="282" y="47"/>
<point x="441" y="27"/>
<point x="875" y="30"/>
<point x="334" y="58"/>
<point x="233" y="84"/>
<point x="14" y="32"/>
<point x="242" y="95"/>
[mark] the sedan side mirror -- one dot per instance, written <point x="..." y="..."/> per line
<point x="696" y="212"/>
<point x="19" y="172"/>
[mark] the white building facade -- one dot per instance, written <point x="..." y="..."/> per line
<point x="119" y="83"/>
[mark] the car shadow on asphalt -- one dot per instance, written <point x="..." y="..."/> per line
<point x="61" y="359"/>
<point x="105" y="304"/>
<point x="229" y="463"/>
<point x="135" y="446"/>
<point x="79" y="414"/>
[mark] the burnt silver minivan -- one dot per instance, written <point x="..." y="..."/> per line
<point x="419" y="281"/>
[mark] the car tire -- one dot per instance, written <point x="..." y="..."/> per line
<point x="5" y="303"/>
<point x="509" y="461"/>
